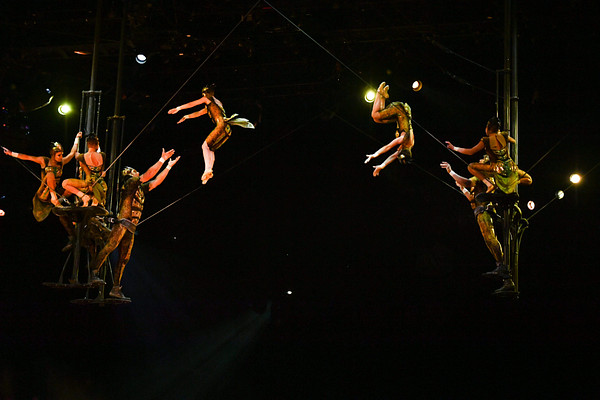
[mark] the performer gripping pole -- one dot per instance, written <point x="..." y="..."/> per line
<point x="221" y="132"/>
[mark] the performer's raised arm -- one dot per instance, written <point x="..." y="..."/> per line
<point x="163" y="174"/>
<point x="71" y="154"/>
<point x="153" y="170"/>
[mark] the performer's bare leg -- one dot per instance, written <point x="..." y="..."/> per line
<point x="379" y="102"/>
<point x="124" y="254"/>
<point x="209" y="160"/>
<point x="486" y="226"/>
<point x="478" y="169"/>
<point x="117" y="233"/>
<point x="74" y="185"/>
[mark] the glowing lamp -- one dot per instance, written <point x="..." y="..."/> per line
<point x="417" y="85"/>
<point x="64" y="109"/>
<point x="370" y="96"/>
<point x="140" y="58"/>
<point x="560" y="194"/>
<point x="575" y="178"/>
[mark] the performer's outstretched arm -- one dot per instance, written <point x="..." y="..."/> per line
<point x="193" y="115"/>
<point x="396" y="142"/>
<point x="163" y="174"/>
<point x="36" y="159"/>
<point x="201" y="100"/>
<point x="464" y="184"/>
<point x="473" y="150"/>
<point x="153" y="170"/>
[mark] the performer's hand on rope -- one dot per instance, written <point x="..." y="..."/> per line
<point x="449" y="145"/>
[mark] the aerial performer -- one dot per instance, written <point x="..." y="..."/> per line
<point x="400" y="114"/>
<point x="92" y="189"/>
<point x="219" y="135"/>
<point x="502" y="167"/>
<point x="47" y="195"/>
<point x="133" y="193"/>
<point x="485" y="214"/>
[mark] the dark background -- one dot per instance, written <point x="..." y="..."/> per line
<point x="387" y="299"/>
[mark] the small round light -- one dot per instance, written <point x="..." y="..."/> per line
<point x="575" y="178"/>
<point x="289" y="292"/>
<point x="370" y="96"/>
<point x="1" y="213"/>
<point x="530" y="205"/>
<point x="140" y="59"/>
<point x="560" y="194"/>
<point x="417" y="85"/>
<point x="64" y="109"/>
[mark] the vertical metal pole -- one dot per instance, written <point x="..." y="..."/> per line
<point x="117" y="122"/>
<point x="514" y="111"/>
<point x="507" y="65"/>
<point x="92" y="105"/>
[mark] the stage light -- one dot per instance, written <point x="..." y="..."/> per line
<point x="560" y="194"/>
<point x="64" y="109"/>
<point x="530" y="205"/>
<point x="140" y="58"/>
<point x="370" y="96"/>
<point x="417" y="85"/>
<point x="575" y="178"/>
<point x="1" y="213"/>
<point x="289" y="292"/>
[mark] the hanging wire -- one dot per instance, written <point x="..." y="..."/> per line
<point x="184" y="83"/>
<point x="548" y="152"/>
<point x="235" y="166"/>
<point x="568" y="187"/>
<point x="317" y="43"/>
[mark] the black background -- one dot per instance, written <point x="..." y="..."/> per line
<point x="387" y="299"/>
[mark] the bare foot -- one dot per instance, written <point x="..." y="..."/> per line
<point x="383" y="90"/>
<point x="206" y="176"/>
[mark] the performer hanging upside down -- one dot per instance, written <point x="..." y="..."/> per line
<point x="47" y="196"/>
<point x="133" y="193"/>
<point x="501" y="166"/>
<point x="92" y="164"/>
<point x="400" y="114"/>
<point x="221" y="132"/>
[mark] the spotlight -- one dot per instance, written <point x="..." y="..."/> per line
<point x="575" y="178"/>
<point x="140" y="58"/>
<point x="560" y="194"/>
<point x="370" y="96"/>
<point x="530" y="205"/>
<point x="1" y="213"/>
<point x="417" y="85"/>
<point x="289" y="292"/>
<point x="64" y="109"/>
